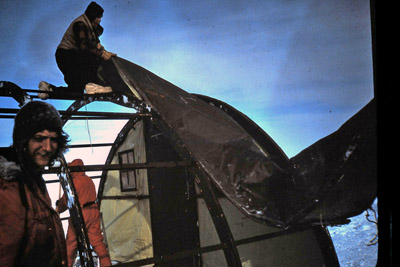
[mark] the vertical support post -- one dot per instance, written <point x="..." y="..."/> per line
<point x="219" y="219"/>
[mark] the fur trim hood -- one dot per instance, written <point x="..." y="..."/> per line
<point x="9" y="170"/>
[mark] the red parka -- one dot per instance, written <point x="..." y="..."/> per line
<point x="86" y="192"/>
<point x="31" y="232"/>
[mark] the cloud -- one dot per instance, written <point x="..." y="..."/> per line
<point x="270" y="59"/>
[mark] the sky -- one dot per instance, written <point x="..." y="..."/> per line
<point x="299" y="69"/>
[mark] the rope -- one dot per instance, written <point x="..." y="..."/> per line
<point x="374" y="240"/>
<point x="87" y="128"/>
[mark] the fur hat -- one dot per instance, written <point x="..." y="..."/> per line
<point x="94" y="11"/>
<point x="37" y="116"/>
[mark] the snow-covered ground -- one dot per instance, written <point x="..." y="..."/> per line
<point x="351" y="241"/>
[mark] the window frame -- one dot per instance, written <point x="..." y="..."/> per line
<point x="127" y="187"/>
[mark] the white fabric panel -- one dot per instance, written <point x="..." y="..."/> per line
<point x="127" y="222"/>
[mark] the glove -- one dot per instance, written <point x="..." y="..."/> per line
<point x="107" y="55"/>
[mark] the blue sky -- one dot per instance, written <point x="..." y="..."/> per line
<point x="299" y="69"/>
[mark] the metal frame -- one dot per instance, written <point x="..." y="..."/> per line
<point x="228" y="244"/>
<point x="221" y="224"/>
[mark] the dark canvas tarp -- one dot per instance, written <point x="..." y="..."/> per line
<point x="253" y="173"/>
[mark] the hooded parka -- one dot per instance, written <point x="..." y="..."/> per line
<point x="31" y="232"/>
<point x="86" y="192"/>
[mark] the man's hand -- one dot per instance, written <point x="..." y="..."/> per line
<point x="100" y="47"/>
<point x="107" y="55"/>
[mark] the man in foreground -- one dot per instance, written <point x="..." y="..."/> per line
<point x="30" y="229"/>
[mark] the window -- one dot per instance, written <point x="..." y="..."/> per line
<point x="127" y="177"/>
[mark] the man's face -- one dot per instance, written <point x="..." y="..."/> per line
<point x="96" y="22"/>
<point x="42" y="147"/>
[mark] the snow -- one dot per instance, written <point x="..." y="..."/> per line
<point x="352" y="241"/>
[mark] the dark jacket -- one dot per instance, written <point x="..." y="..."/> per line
<point x="31" y="232"/>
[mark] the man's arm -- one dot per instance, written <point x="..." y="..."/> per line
<point x="12" y="224"/>
<point x="82" y="39"/>
<point x="62" y="204"/>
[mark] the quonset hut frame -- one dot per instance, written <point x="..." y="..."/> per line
<point x="183" y="160"/>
